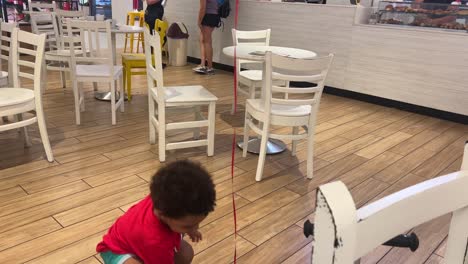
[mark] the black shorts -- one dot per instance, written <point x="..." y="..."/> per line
<point x="153" y="12"/>
<point x="211" y="20"/>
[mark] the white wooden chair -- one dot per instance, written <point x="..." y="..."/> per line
<point x="41" y="6"/>
<point x="6" y="30"/>
<point x="163" y="98"/>
<point x="44" y="23"/>
<point x="18" y="101"/>
<point x="360" y="231"/>
<point x="59" y="59"/>
<point x="280" y="109"/>
<point x="63" y="16"/>
<point x="250" y="78"/>
<point x="96" y="65"/>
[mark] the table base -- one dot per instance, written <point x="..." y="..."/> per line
<point x="106" y="96"/>
<point x="274" y="146"/>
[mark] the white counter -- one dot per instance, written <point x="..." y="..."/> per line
<point x="419" y="66"/>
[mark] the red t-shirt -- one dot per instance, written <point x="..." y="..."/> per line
<point x="139" y="232"/>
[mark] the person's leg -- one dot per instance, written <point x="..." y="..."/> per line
<point x="202" y="48"/>
<point x="185" y="254"/>
<point x="207" y="32"/>
<point x="132" y="261"/>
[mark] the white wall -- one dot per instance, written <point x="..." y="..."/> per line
<point x="120" y="8"/>
<point x="419" y="66"/>
<point x="322" y="29"/>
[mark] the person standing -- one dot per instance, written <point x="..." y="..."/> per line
<point x="154" y="10"/>
<point x="208" y="20"/>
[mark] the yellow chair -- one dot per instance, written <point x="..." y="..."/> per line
<point x="161" y="27"/>
<point x="133" y="16"/>
<point x="132" y="61"/>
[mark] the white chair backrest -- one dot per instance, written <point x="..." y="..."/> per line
<point x="154" y="66"/>
<point x="41" y="6"/>
<point x="94" y="34"/>
<point x="311" y="72"/>
<point x="57" y="32"/>
<point x="44" y="23"/>
<point x="27" y="52"/>
<point x="6" y="32"/>
<point x="344" y="234"/>
<point x="64" y="15"/>
<point x="254" y="38"/>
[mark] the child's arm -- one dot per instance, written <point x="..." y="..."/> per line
<point x="195" y="236"/>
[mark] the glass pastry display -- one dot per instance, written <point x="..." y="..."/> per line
<point x="448" y="16"/>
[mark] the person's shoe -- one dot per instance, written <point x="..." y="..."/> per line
<point x="209" y="71"/>
<point x="199" y="69"/>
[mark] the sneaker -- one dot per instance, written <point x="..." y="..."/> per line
<point x="199" y="69"/>
<point x="209" y="71"/>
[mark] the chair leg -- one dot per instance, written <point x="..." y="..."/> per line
<point x="162" y="133"/>
<point x="211" y="127"/>
<point x="82" y="98"/>
<point x="76" y="94"/>
<point x="43" y="132"/>
<point x="24" y="132"/>
<point x="245" y="143"/>
<point x="295" y="131"/>
<point x="113" y="108"/>
<point x="262" y="156"/>
<point x="95" y="86"/>
<point x="310" y="152"/>
<point x="132" y="40"/>
<point x="196" y="132"/>
<point x="44" y="76"/>
<point x="126" y="37"/>
<point x="122" y="95"/>
<point x="128" y="77"/>
<point x="252" y="90"/>
<point x="152" y="129"/>
<point x="124" y="76"/>
<point x="63" y="79"/>
<point x="139" y="41"/>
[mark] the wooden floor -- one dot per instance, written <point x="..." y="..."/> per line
<point x="57" y="212"/>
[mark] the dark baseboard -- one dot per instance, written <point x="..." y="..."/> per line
<point x="463" y="119"/>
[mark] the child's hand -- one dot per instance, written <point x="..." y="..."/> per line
<point x="195" y="236"/>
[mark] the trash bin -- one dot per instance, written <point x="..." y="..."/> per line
<point x="177" y="36"/>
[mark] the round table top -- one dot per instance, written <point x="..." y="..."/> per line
<point x="256" y="53"/>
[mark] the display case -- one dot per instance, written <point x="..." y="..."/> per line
<point x="448" y="16"/>
<point x="102" y="7"/>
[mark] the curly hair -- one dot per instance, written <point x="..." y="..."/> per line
<point x="183" y="188"/>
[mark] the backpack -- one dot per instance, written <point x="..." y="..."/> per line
<point x="223" y="8"/>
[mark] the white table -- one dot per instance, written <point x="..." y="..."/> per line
<point x="122" y="29"/>
<point x="254" y="53"/>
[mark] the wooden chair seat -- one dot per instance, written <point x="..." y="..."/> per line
<point x="15" y="96"/>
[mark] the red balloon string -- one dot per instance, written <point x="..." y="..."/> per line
<point x="236" y="16"/>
